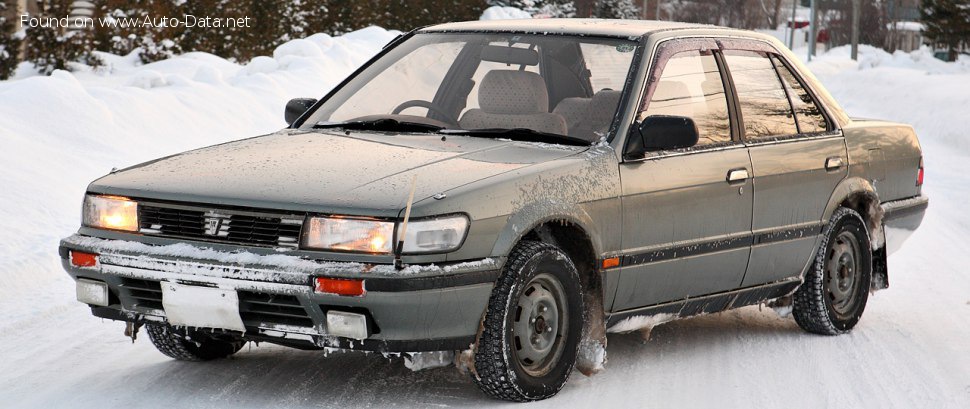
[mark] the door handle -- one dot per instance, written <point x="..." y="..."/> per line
<point x="736" y="175"/>
<point x="833" y="163"/>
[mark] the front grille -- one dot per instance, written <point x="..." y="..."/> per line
<point x="220" y="225"/>
<point x="143" y="293"/>
<point x="263" y="308"/>
<point x="255" y="308"/>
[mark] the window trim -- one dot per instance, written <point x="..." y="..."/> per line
<point x="781" y="83"/>
<point x="750" y="44"/>
<point x="662" y="52"/>
<point x="830" y="123"/>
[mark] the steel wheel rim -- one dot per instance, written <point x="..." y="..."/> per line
<point x="842" y="273"/>
<point x="539" y="325"/>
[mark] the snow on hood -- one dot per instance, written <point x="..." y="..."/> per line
<point x="327" y="171"/>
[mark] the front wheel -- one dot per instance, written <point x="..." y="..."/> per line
<point x="836" y="288"/>
<point x="196" y="347"/>
<point x="531" y="333"/>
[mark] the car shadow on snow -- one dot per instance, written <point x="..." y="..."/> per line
<point x="268" y="375"/>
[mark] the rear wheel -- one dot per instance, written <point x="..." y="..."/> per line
<point x="191" y="347"/>
<point x="531" y="333"/>
<point x="835" y="291"/>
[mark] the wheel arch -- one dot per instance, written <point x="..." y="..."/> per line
<point x="858" y="194"/>
<point x="572" y="230"/>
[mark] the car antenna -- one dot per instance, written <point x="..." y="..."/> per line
<point x="399" y="247"/>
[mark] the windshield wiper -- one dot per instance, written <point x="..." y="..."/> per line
<point x="384" y="124"/>
<point x="520" y="134"/>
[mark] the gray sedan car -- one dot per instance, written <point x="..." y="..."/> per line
<point x="512" y="191"/>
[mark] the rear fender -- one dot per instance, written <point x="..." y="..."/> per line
<point x="858" y="193"/>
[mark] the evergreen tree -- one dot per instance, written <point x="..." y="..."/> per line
<point x="542" y="8"/>
<point x="54" y="48"/>
<point x="947" y="22"/>
<point x="624" y="9"/>
<point x="121" y="37"/>
<point x="9" y="44"/>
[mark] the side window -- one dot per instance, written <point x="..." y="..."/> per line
<point x="691" y="86"/>
<point x="809" y="116"/>
<point x="765" y="109"/>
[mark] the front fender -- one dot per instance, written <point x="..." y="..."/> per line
<point x="535" y="214"/>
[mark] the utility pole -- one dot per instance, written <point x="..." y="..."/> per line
<point x="791" y="34"/>
<point x="658" y="9"/>
<point x="856" y="10"/>
<point x="812" y="30"/>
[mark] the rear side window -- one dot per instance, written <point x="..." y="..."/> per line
<point x="809" y="116"/>
<point x="691" y="86"/>
<point x="765" y="109"/>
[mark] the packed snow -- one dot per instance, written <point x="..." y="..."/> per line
<point x="59" y="132"/>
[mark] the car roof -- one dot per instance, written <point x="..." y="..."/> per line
<point x="583" y="26"/>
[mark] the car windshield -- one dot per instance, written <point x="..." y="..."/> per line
<point x="499" y="85"/>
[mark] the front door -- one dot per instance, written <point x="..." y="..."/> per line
<point x="686" y="213"/>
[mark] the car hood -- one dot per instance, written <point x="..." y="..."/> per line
<point x="366" y="173"/>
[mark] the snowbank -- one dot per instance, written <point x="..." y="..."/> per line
<point x="503" y="13"/>
<point x="912" y="88"/>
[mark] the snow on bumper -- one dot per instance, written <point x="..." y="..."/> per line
<point x="420" y="308"/>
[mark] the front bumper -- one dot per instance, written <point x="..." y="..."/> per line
<point x="422" y="308"/>
<point x="901" y="218"/>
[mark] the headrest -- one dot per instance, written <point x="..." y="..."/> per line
<point x="513" y="92"/>
<point x="603" y="105"/>
<point x="606" y="97"/>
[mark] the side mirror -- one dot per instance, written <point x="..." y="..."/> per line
<point x="662" y="132"/>
<point x="296" y="107"/>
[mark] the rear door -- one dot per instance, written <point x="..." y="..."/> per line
<point x="686" y="226"/>
<point x="797" y="154"/>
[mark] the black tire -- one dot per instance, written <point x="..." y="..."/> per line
<point x="534" y="274"/>
<point x="836" y="287"/>
<point x="197" y="347"/>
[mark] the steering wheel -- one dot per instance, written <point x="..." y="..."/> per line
<point x="430" y="106"/>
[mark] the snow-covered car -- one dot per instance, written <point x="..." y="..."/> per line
<point x="511" y="191"/>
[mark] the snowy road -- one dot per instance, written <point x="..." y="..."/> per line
<point x="911" y="349"/>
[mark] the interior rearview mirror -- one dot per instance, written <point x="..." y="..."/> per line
<point x="296" y="107"/>
<point x="663" y="132"/>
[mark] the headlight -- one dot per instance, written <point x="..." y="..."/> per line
<point x="110" y="212"/>
<point x="361" y="235"/>
<point x="435" y="235"/>
<point x="373" y="236"/>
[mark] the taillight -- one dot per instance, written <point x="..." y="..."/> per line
<point x="919" y="175"/>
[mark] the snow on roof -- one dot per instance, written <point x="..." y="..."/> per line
<point x="605" y="27"/>
<point x="907" y="26"/>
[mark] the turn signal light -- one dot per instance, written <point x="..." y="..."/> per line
<point x="611" y="262"/>
<point x="339" y="286"/>
<point x="79" y="259"/>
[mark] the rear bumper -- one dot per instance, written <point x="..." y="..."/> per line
<point x="426" y="308"/>
<point x="901" y="218"/>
